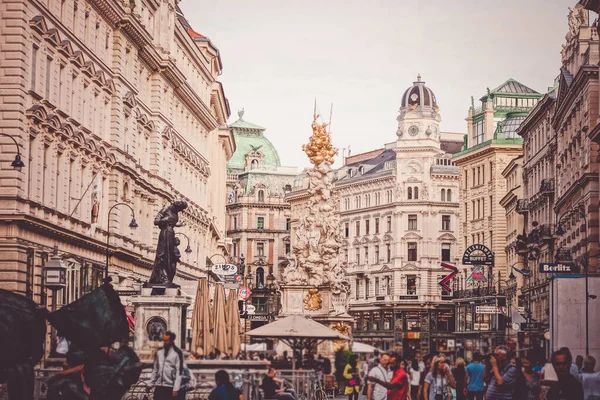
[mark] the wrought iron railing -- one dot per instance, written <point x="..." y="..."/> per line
<point x="547" y="186"/>
<point x="522" y="206"/>
<point x="304" y="382"/>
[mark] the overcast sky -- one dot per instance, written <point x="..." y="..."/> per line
<point x="362" y="55"/>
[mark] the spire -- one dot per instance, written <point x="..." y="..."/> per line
<point x="419" y="77"/>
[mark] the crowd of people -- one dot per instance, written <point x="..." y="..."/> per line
<point x="498" y="376"/>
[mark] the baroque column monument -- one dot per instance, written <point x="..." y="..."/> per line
<point x="314" y="281"/>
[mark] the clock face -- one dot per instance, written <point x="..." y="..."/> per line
<point x="413" y="130"/>
<point x="414" y="97"/>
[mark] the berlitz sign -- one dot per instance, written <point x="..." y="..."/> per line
<point x="560" y="268"/>
<point x="478" y="254"/>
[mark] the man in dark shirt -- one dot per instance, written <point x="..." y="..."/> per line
<point x="272" y="389"/>
<point x="568" y="387"/>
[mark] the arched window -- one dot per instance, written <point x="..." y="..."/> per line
<point x="416" y="193"/>
<point x="410" y="193"/>
<point x="254" y="164"/>
<point x="260" y="278"/>
<point x="449" y="195"/>
<point x="261" y="196"/>
<point x="443" y="194"/>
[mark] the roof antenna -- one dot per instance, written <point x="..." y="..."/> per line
<point x="315" y="110"/>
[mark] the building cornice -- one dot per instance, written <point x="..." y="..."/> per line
<point x="486" y="148"/>
<point x="569" y="194"/>
<point x="585" y="74"/>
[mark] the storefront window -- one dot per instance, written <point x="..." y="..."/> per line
<point x="376" y="320"/>
<point x="413" y="321"/>
<point x="366" y="321"/>
<point x="387" y="320"/>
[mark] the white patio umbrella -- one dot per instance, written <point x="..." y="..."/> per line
<point x="297" y="332"/>
<point x="358" y="347"/>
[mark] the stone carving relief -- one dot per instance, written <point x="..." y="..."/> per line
<point x="315" y="255"/>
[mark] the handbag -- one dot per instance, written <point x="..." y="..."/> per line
<point x="353" y="382"/>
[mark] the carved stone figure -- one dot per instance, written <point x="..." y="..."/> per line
<point x="165" y="263"/>
<point x="315" y="253"/>
<point x="95" y="204"/>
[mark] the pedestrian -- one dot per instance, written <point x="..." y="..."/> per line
<point x="532" y="379"/>
<point x="590" y="380"/>
<point x="460" y="375"/>
<point x="573" y="369"/>
<point x="579" y="363"/>
<point x="398" y="386"/>
<point x="474" y="376"/>
<point x="503" y="376"/>
<point x="225" y="389"/>
<point x="168" y="369"/>
<point x="427" y="362"/>
<point x="420" y="361"/>
<point x="567" y="387"/>
<point x="439" y="380"/>
<point x="376" y="391"/>
<point x="273" y="387"/>
<point x="351" y="374"/>
<point x="520" y="391"/>
<point x="414" y="373"/>
<point x="374" y="360"/>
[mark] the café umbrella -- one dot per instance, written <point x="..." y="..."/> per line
<point x="233" y="323"/>
<point x="297" y="332"/>
<point x="220" y="320"/>
<point x="202" y="337"/>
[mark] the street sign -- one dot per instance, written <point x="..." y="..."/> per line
<point x="244" y="293"/>
<point x="250" y="309"/>
<point x="478" y="254"/>
<point x="224" y="269"/>
<point x="530" y="326"/>
<point x="486" y="310"/>
<point x="444" y="282"/>
<point x="450" y="343"/>
<point x="477" y="274"/>
<point x="559" y="268"/>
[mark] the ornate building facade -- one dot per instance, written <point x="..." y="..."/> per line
<point x="109" y="102"/>
<point x="490" y="145"/>
<point x="259" y="217"/>
<point x="399" y="217"/>
<point x="536" y="205"/>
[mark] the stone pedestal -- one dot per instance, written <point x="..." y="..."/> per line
<point x="304" y="300"/>
<point x="158" y="310"/>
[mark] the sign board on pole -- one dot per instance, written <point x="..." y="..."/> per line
<point x="258" y="317"/>
<point x="530" y="326"/>
<point x="224" y="269"/>
<point x="559" y="268"/>
<point x="250" y="309"/>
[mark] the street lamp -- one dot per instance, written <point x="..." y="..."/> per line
<point x="576" y="210"/>
<point x="188" y="249"/>
<point x="17" y="162"/>
<point x="133" y="224"/>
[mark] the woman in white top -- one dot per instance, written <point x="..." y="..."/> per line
<point x="414" y="373"/>
<point x="590" y="379"/>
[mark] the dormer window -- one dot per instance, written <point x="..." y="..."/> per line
<point x="361" y="170"/>
<point x="261" y="196"/>
<point x="254" y="164"/>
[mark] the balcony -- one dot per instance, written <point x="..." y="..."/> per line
<point x="522" y="206"/>
<point x="547" y="186"/>
<point x="547" y="231"/>
<point x="564" y="254"/>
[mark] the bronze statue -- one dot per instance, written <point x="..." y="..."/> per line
<point x="165" y="264"/>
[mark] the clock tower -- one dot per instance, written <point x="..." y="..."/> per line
<point x="418" y="119"/>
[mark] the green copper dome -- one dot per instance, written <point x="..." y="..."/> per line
<point x="249" y="138"/>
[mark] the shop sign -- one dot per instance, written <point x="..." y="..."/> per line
<point x="558" y="268"/>
<point x="258" y="317"/>
<point x="250" y="309"/>
<point x="478" y="254"/>
<point x="530" y="326"/>
<point x="481" y="326"/>
<point x="486" y="310"/>
<point x="224" y="269"/>
<point x="450" y="343"/>
<point x="409" y="297"/>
